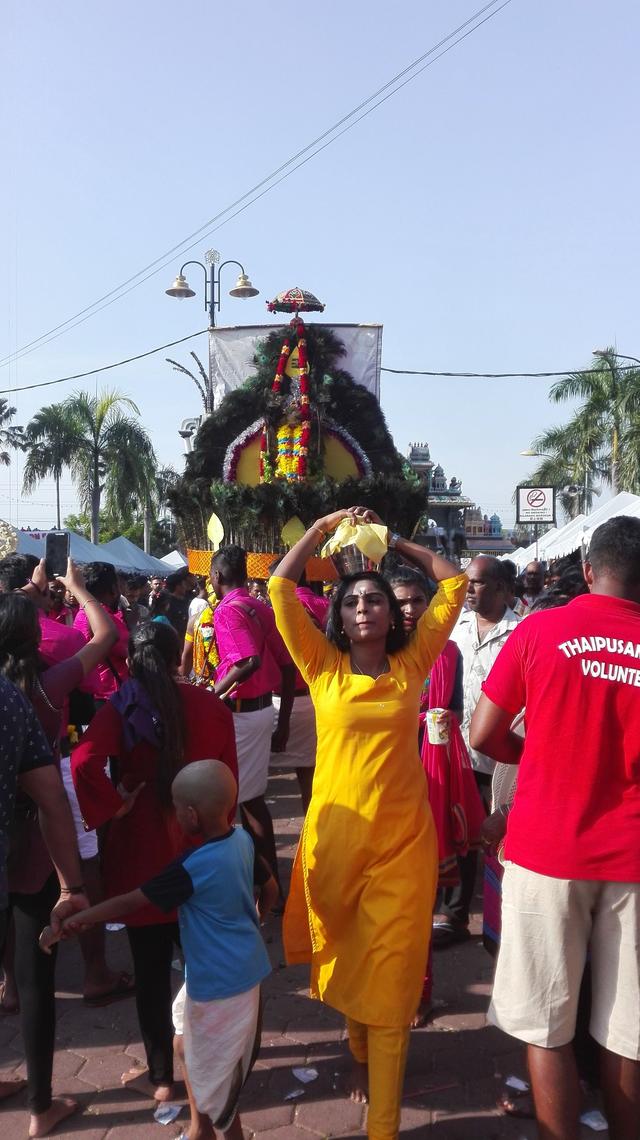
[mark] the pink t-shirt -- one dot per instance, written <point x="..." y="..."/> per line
<point x="107" y="677"/>
<point x="246" y="627"/>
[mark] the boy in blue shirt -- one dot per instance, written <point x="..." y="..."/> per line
<point x="218" y="1008"/>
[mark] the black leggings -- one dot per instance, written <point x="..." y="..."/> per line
<point x="152" y="950"/>
<point x="35" y="982"/>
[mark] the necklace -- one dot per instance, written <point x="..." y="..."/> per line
<point x="374" y="676"/>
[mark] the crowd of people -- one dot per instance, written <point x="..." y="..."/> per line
<point x="447" y="727"/>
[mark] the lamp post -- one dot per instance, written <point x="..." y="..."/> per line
<point x="609" y="356"/>
<point x="243" y="289"/>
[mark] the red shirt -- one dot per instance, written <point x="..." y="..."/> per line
<point x="141" y="844"/>
<point x="246" y="627"/>
<point x="576" y="813"/>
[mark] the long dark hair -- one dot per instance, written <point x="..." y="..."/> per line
<point x="396" y="637"/>
<point x="19" y="641"/>
<point x="154" y="655"/>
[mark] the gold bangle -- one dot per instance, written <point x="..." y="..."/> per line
<point x="320" y="531"/>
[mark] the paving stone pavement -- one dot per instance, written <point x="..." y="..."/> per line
<point x="455" y="1068"/>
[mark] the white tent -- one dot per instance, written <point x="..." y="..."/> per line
<point x="531" y="553"/>
<point x="632" y="509"/>
<point x="174" y="560"/>
<point x="572" y="536"/>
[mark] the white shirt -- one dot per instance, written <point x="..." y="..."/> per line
<point x="477" y="659"/>
<point x="196" y="606"/>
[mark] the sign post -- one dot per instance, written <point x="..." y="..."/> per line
<point x="535" y="505"/>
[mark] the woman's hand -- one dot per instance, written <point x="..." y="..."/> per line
<point x="329" y="522"/>
<point x="129" y="799"/>
<point x="355" y="515"/>
<point x="73" y="580"/>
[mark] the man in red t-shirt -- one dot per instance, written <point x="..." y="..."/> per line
<point x="572" y="875"/>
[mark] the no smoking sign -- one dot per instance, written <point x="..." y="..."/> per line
<point x="536" y="505"/>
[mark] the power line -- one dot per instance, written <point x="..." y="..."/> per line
<point x="103" y="368"/>
<point x="395" y="371"/>
<point x="285" y="170"/>
<point x="502" y="375"/>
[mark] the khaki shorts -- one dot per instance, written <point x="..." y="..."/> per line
<point x="548" y="926"/>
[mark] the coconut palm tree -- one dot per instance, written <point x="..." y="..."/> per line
<point x="49" y="441"/>
<point x="112" y="454"/>
<point x="9" y="436"/>
<point x="602" y="436"/>
<point x="601" y="442"/>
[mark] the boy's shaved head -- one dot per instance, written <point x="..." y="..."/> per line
<point x="208" y="786"/>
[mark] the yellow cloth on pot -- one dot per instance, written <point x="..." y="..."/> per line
<point x="369" y="538"/>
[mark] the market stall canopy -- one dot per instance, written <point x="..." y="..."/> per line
<point x="127" y="556"/>
<point x="174" y="560"/>
<point x="80" y="549"/>
<point x="527" y="554"/>
<point x="572" y="536"/>
<point x="632" y="509"/>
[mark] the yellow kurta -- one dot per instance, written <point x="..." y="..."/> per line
<point x="364" y="878"/>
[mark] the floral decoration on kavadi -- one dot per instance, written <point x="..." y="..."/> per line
<point x="292" y="437"/>
<point x="235" y="449"/>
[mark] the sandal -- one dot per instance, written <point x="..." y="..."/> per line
<point x="123" y="987"/>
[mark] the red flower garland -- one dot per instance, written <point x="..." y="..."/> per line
<point x="304" y="406"/>
<point x="303" y="371"/>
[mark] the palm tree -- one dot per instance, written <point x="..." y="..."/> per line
<point x="112" y="454"/>
<point x="49" y="441"/>
<point x="202" y="384"/>
<point x="602" y="436"/>
<point x="9" y="436"/>
<point x="157" y="501"/>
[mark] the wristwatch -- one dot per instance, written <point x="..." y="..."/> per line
<point x="392" y="539"/>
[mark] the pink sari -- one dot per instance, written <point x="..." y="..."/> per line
<point x="456" y="804"/>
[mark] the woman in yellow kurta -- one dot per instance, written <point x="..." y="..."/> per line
<point x="365" y="873"/>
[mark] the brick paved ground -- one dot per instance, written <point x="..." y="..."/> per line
<point x="454" y="1070"/>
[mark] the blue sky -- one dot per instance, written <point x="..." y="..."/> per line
<point x="486" y="215"/>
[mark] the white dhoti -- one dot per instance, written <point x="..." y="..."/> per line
<point x="302" y="742"/>
<point x="253" y="744"/>
<point x="221" y="1042"/>
<point x="87" y="840"/>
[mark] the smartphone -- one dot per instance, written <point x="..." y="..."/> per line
<point x="56" y="552"/>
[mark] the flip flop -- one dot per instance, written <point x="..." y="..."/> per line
<point x="510" y="1105"/>
<point x="124" y="987"/>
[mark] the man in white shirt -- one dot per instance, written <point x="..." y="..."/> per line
<point x="480" y="632"/>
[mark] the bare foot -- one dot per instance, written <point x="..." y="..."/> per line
<point x="11" y="1086"/>
<point x="9" y="997"/>
<point x="138" y="1081"/>
<point x="358" y="1083"/>
<point x="423" y="1016"/>
<point x="42" y="1123"/>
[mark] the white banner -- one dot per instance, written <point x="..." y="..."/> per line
<point x="231" y="352"/>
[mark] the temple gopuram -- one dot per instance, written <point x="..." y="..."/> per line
<point x="451" y="521"/>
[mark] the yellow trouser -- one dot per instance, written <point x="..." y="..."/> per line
<point x="384" y="1050"/>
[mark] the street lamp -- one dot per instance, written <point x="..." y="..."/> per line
<point x="605" y="352"/>
<point x="243" y="287"/>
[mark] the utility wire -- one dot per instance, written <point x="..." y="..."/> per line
<point x="104" y="368"/>
<point x="395" y="371"/>
<point x="285" y="170"/>
<point x="503" y="375"/>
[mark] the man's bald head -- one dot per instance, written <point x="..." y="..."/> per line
<point x="534" y="578"/>
<point x="207" y="787"/>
